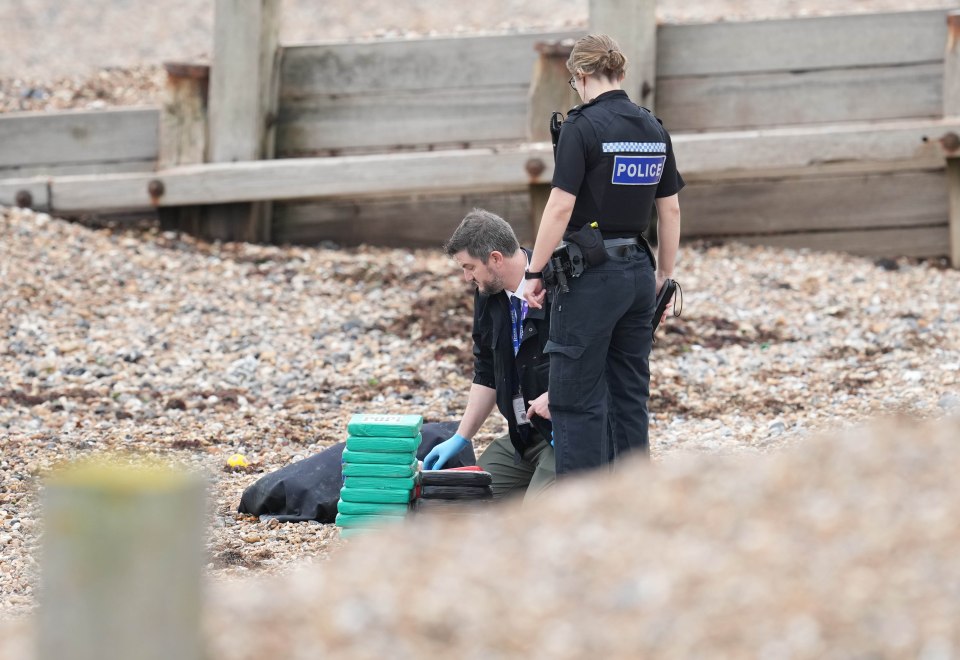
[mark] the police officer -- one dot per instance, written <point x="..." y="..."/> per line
<point x="511" y="370"/>
<point x="614" y="162"/>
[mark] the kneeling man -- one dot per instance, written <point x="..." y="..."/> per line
<point x="510" y="371"/>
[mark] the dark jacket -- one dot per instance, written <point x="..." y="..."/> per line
<point x="493" y="364"/>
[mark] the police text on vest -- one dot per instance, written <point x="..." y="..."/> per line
<point x="637" y="170"/>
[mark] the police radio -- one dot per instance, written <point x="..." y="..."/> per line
<point x="555" y="131"/>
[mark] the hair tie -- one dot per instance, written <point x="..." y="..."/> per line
<point x="610" y="52"/>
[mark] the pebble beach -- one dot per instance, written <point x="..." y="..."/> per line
<point x="136" y="340"/>
<point x="804" y="405"/>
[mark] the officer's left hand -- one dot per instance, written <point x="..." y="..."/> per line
<point x="534" y="292"/>
<point x="540" y="406"/>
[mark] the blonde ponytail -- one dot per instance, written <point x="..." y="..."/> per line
<point x="597" y="54"/>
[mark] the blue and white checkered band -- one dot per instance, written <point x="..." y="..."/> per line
<point x="637" y="170"/>
<point x="635" y="147"/>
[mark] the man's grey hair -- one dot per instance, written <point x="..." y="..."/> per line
<point x="480" y="233"/>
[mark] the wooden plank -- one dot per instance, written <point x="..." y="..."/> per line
<point x="549" y="92"/>
<point x="890" y="147"/>
<point x="826" y="96"/>
<point x="183" y="135"/>
<point x="36" y="188"/>
<point x="801" y="44"/>
<point x="242" y="98"/>
<point x="55" y="170"/>
<point x="922" y="241"/>
<point x="402" y="119"/>
<point x="953" y="193"/>
<point x="237" y="76"/>
<point x="411" y="64"/>
<point x="951" y="67"/>
<point x="457" y="117"/>
<point x="951" y="108"/>
<point x="549" y="89"/>
<point x="807" y="150"/>
<point x="633" y="25"/>
<point x="814" y="204"/>
<point x="183" y="115"/>
<point x="409" y="221"/>
<point x="76" y="137"/>
<point x="223" y="183"/>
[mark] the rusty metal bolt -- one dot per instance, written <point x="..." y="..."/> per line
<point x="24" y="199"/>
<point x="950" y="141"/>
<point x="156" y="189"/>
<point x="535" y="167"/>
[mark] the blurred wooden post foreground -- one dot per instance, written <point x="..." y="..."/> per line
<point x="123" y="551"/>
<point x="950" y="141"/>
<point x="549" y="93"/>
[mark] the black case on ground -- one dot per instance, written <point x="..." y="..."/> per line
<point x="456" y="492"/>
<point x="455" y="478"/>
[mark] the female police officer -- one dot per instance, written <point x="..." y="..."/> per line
<point x="614" y="162"/>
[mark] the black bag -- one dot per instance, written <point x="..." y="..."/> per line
<point x="309" y="489"/>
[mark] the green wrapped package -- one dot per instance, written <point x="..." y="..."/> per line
<point x="372" y="509"/>
<point x="385" y="426"/>
<point x="351" y="532"/>
<point x="378" y="470"/>
<point x="395" y="483"/>
<point x="346" y="520"/>
<point x="382" y="495"/>
<point x="384" y="444"/>
<point x="402" y="458"/>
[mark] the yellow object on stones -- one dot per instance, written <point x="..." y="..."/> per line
<point x="238" y="460"/>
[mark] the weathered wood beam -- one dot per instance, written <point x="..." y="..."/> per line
<point x="224" y="183"/>
<point x="951" y="141"/>
<point x="243" y="92"/>
<point x="183" y="134"/>
<point x="770" y="153"/>
<point x="549" y="93"/>
<point x="31" y="193"/>
<point x="800" y="44"/>
<point x="633" y="24"/>
<point x="76" y="137"/>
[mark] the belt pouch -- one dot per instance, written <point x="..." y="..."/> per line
<point x="590" y="241"/>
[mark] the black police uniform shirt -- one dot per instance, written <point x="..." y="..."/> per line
<point x="616" y="158"/>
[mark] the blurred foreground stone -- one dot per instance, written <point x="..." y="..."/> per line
<point x="842" y="547"/>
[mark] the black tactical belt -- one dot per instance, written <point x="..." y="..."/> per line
<point x="620" y="247"/>
<point x="617" y="242"/>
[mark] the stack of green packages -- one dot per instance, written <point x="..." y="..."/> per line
<point x="379" y="471"/>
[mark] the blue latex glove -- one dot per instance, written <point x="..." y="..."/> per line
<point x="443" y="452"/>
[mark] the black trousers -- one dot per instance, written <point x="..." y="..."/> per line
<point x="600" y="341"/>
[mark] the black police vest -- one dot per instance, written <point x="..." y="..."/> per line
<point x="627" y="153"/>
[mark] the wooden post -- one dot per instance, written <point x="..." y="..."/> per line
<point x="633" y="24"/>
<point x="951" y="108"/>
<point x="549" y="93"/>
<point x="183" y="115"/>
<point x="183" y="134"/>
<point x="123" y="553"/>
<point x="243" y="98"/>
